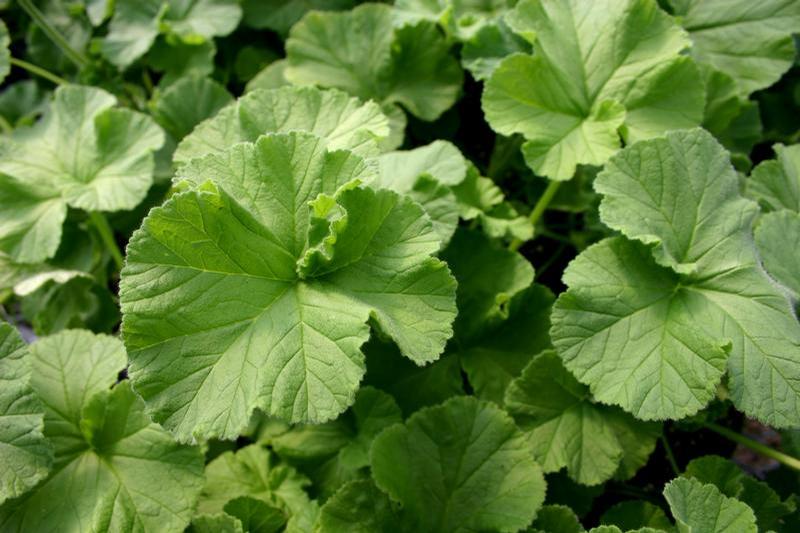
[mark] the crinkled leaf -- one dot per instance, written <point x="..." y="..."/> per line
<point x="775" y="183"/>
<point x="27" y="455"/>
<point x="114" y="469"/>
<point x="254" y="472"/>
<point x="358" y="507"/>
<point x="650" y="328"/>
<point x="599" y="70"/>
<point x="751" y="42"/>
<point x="188" y="102"/>
<point x="778" y="239"/>
<point x="85" y="154"/>
<point x="700" y="507"/>
<point x="634" y="514"/>
<point x="365" y="53"/>
<point x="564" y="427"/>
<point x="274" y="295"/>
<point x="460" y="466"/>
<point x="341" y="121"/>
<point x="281" y="15"/>
<point x="256" y="515"/>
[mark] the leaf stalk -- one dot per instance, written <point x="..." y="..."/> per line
<point x="102" y="226"/>
<point x="772" y="453"/>
<point x="40" y="20"/>
<point x="38" y="71"/>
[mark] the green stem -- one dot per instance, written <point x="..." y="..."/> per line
<point x="670" y="456"/>
<point x="53" y="34"/>
<point x="756" y="446"/>
<point x="538" y="210"/>
<point x="39" y="71"/>
<point x="107" y="235"/>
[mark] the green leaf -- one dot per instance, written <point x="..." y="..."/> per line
<point x="358" y="507"/>
<point x="27" y="455"/>
<point x="778" y="238"/>
<point x="21" y="102"/>
<point x="5" y="55"/>
<point x="460" y="466"/>
<point x="253" y="472"/>
<point x="188" y="102"/>
<point x="340" y="447"/>
<point x="132" y="31"/>
<point x="636" y="514"/>
<point x="270" y="77"/>
<point x="84" y="154"/>
<point x="114" y="469"/>
<point x="699" y="507"/>
<point x="650" y="328"/>
<point x="216" y="523"/>
<point x="775" y="183"/>
<point x="587" y="84"/>
<point x="274" y="313"/>
<point x="556" y="519"/>
<point x="280" y="15"/>
<point x="255" y="515"/>
<point x="342" y="122"/>
<point x="195" y="21"/>
<point x="486" y="49"/>
<point x="364" y="53"/>
<point x="460" y="19"/>
<point x="565" y="428"/>
<point x="752" y="43"/>
<point x="177" y="60"/>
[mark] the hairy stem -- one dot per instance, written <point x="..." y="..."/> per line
<point x="772" y="453"/>
<point x="107" y="235"/>
<point x="53" y="34"/>
<point x="38" y="71"/>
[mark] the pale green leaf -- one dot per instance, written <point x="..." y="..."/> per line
<point x="358" y="507"/>
<point x="254" y="472"/>
<point x="461" y="19"/>
<point x="132" y="31"/>
<point x="84" y="154"/>
<point x="749" y="41"/>
<point x="256" y="515"/>
<point x="216" y="523"/>
<point x="485" y="50"/>
<point x="188" y="102"/>
<point x="778" y="239"/>
<point x="460" y="466"/>
<point x="700" y="507"/>
<point x="5" y="55"/>
<point x="600" y="70"/>
<point x="274" y="317"/>
<point x="270" y="77"/>
<point x="27" y="455"/>
<point x="114" y="469"/>
<point x="565" y="428"/>
<point x="365" y="53"/>
<point x="341" y="121"/>
<point x="196" y="21"/>
<point x="775" y="183"/>
<point x="650" y="328"/>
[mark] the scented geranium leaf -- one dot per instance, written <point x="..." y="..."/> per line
<point x="215" y="523"/>
<point x="5" y="55"/>
<point x="359" y="507"/>
<point x="405" y="64"/>
<point x="752" y="43"/>
<point x="459" y="18"/>
<point x="281" y="15"/>
<point x="633" y="514"/>
<point x="631" y="329"/>
<point x="114" y="469"/>
<point x="556" y="519"/>
<point x="21" y="102"/>
<point x="176" y="59"/>
<point x="27" y="455"/>
<point x="195" y="21"/>
<point x="460" y="466"/>
<point x="599" y="70"/>
<point x="274" y="313"/>
<point x="339" y="450"/>
<point x="627" y="328"/>
<point x="132" y="30"/>
<point x="256" y="515"/>
<point x="188" y="102"/>
<point x="700" y="507"/>
<point x="778" y="239"/>
<point x="564" y="427"/>
<point x="485" y="50"/>
<point x="254" y="472"/>
<point x="412" y="386"/>
<point x="775" y="183"/>
<point x="341" y="121"/>
<point x="270" y="77"/>
<point x="84" y="154"/>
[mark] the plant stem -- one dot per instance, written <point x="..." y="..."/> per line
<point x="39" y="71"/>
<point x="38" y="17"/>
<point x="538" y="210"/>
<point x="107" y="235"/>
<point x="670" y="456"/>
<point x="756" y="446"/>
